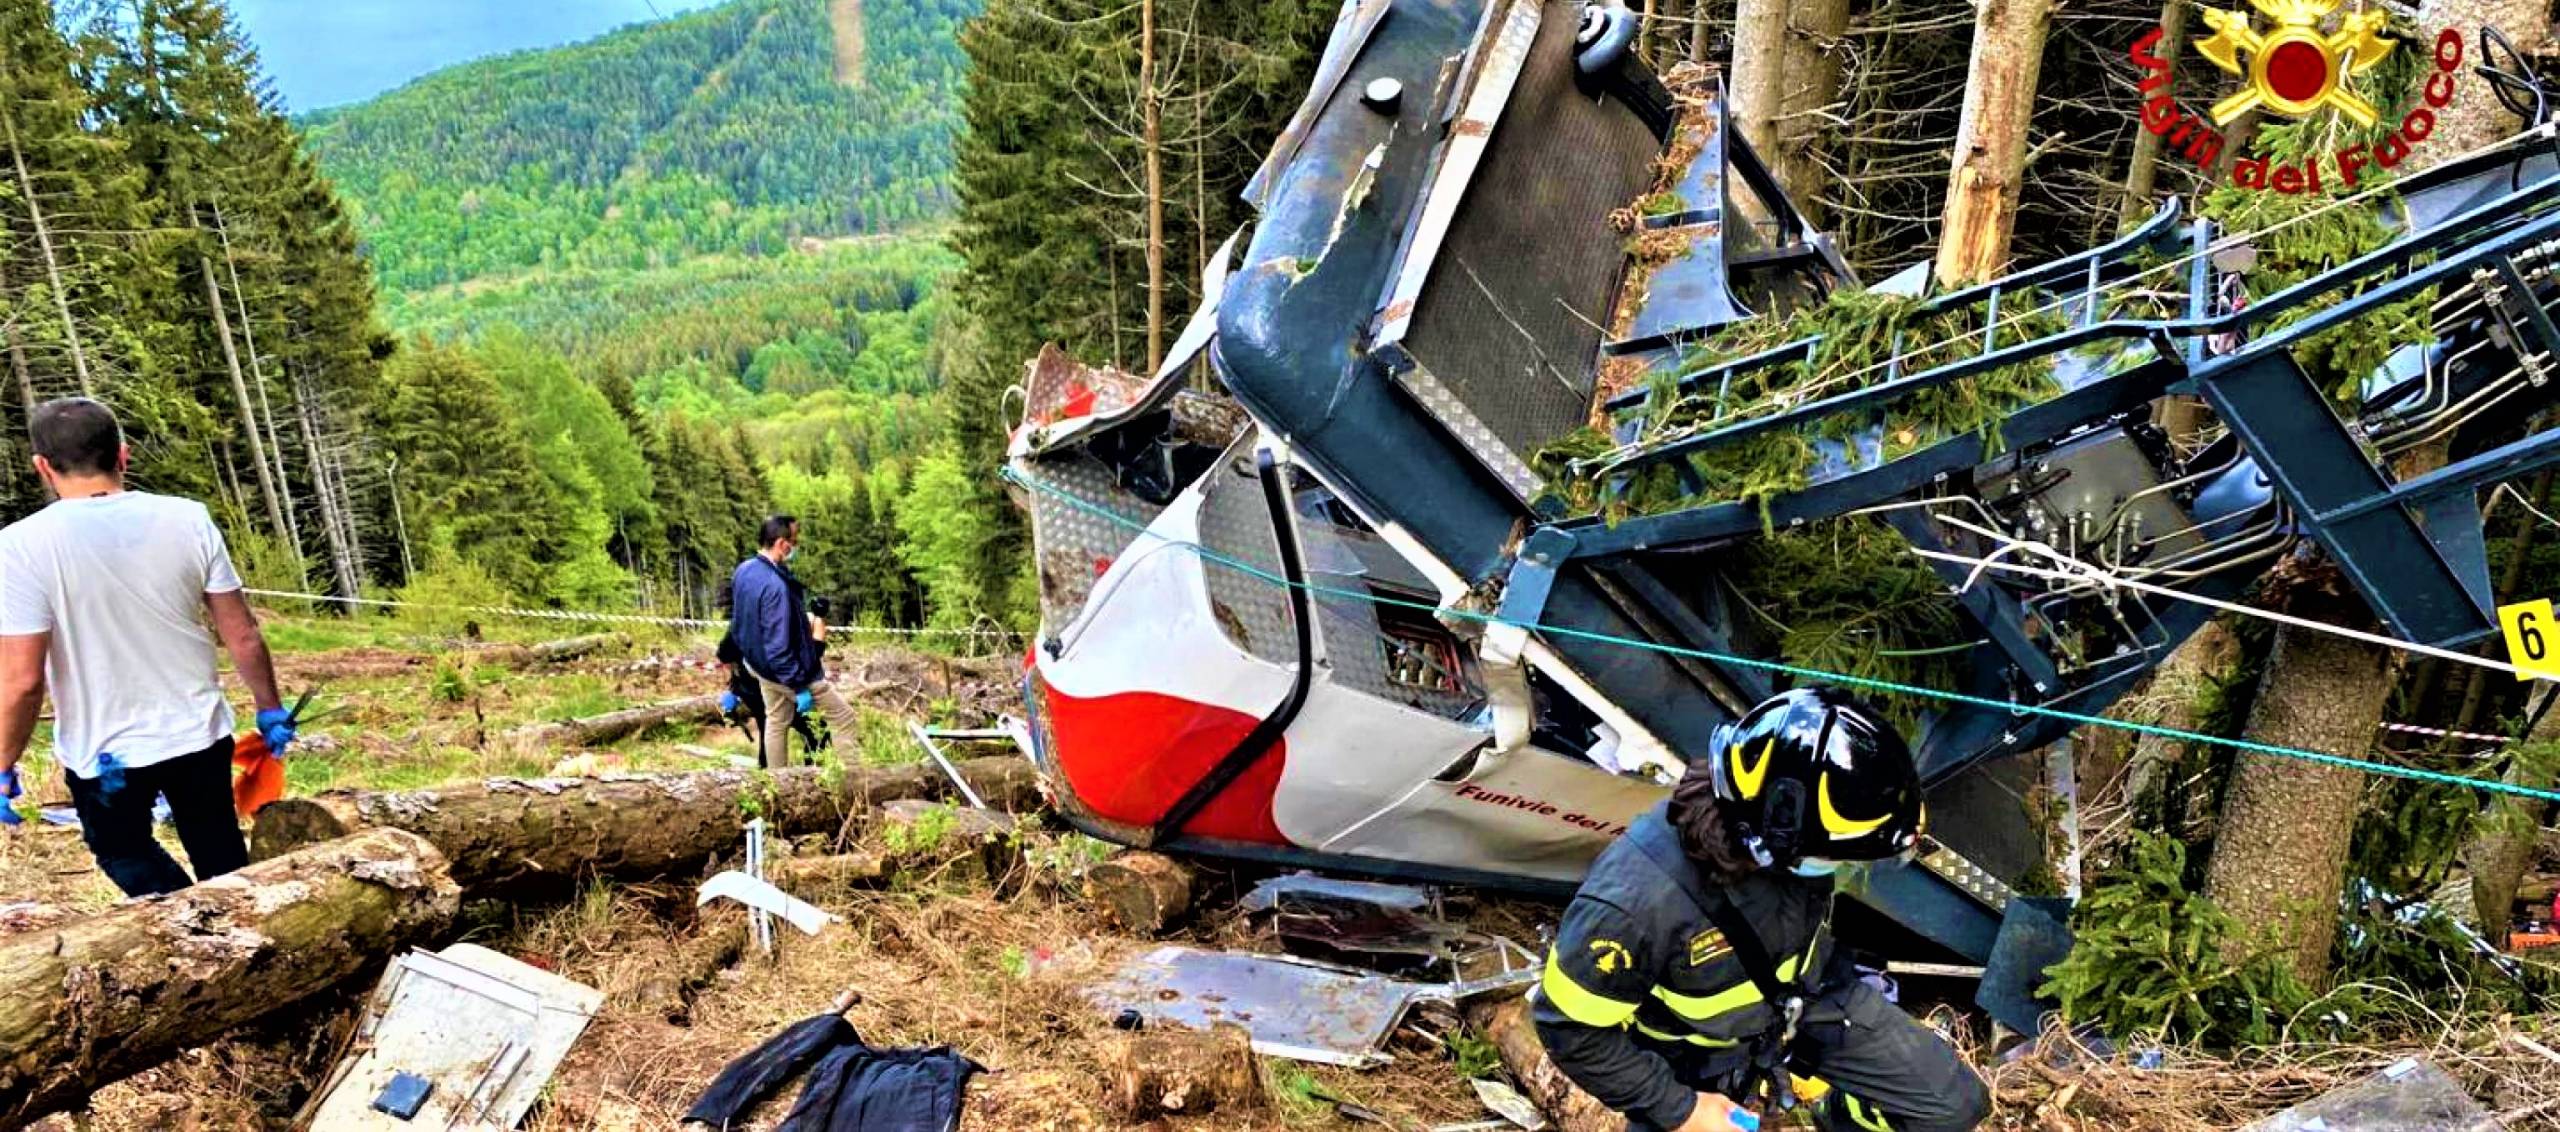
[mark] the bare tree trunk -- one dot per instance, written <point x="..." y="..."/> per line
<point x="2142" y="172"/>
<point x="1698" y="32"/>
<point x="1991" y="139"/>
<point x="2174" y="698"/>
<point x="1152" y="108"/>
<point x="26" y="377"/>
<point x="2507" y="832"/>
<point x="1783" y="75"/>
<point x="52" y="263"/>
<point x="16" y="346"/>
<point x="258" y="376"/>
<point x="2280" y="853"/>
<point x="351" y="561"/>
<point x="248" y="413"/>
<point x="1199" y="165"/>
<point x="333" y="501"/>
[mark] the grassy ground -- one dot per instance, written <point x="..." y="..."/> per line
<point x="937" y="955"/>
<point x="940" y="953"/>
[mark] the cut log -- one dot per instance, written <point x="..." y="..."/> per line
<point x="1140" y="892"/>
<point x="596" y="730"/>
<point x="1183" y="1072"/>
<point x="94" y="1000"/>
<point x="507" y="832"/>
<point x="1507" y="1024"/>
<point x="549" y="652"/>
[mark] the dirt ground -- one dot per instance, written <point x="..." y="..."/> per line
<point x="982" y="950"/>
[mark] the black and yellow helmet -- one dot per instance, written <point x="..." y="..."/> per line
<point x="1814" y="773"/>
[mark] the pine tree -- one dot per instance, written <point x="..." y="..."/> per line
<point x="467" y="473"/>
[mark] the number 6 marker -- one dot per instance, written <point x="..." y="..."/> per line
<point x="2533" y="638"/>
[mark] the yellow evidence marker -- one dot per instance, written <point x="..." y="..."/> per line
<point x="2533" y="640"/>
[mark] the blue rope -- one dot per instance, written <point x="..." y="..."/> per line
<point x="2322" y="758"/>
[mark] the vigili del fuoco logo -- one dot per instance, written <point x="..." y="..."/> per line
<point x="2300" y="65"/>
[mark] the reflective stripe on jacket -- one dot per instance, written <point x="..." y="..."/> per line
<point x="1640" y="975"/>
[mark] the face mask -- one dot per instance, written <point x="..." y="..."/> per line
<point x="790" y="554"/>
<point x="1814" y="868"/>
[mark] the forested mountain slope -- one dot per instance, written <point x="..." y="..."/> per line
<point x="744" y="128"/>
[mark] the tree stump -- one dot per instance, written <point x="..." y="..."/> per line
<point x="1183" y="1072"/>
<point x="1140" y="892"/>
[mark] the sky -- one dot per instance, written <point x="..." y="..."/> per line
<point x="322" y="53"/>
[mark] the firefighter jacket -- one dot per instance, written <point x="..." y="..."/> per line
<point x="1640" y="979"/>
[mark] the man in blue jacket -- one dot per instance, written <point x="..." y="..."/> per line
<point x="769" y="619"/>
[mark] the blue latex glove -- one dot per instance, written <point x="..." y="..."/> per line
<point x="1746" y="1121"/>
<point x="110" y="775"/>
<point x="276" y="724"/>
<point x="804" y="701"/>
<point x="9" y="790"/>
<point x="728" y="703"/>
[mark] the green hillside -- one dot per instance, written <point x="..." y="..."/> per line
<point x="739" y="129"/>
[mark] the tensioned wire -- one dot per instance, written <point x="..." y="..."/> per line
<point x="2322" y="758"/>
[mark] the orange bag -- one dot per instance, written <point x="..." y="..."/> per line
<point x="257" y="775"/>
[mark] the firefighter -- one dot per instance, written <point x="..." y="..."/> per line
<point x="1696" y="968"/>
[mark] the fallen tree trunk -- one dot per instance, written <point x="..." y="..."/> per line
<point x="94" y="1000"/>
<point x="550" y="652"/>
<point x="596" y="730"/>
<point x="1183" y="1072"/>
<point x="1507" y="1024"/>
<point x="507" y="832"/>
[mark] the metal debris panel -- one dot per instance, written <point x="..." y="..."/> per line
<point x="485" y="1030"/>
<point x="1294" y="1008"/>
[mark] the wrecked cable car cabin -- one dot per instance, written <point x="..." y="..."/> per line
<point x="1449" y="580"/>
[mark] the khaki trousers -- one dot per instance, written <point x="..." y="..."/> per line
<point x="782" y="709"/>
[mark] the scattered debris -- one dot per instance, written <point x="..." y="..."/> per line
<point x="2407" y="1096"/>
<point x="1507" y="1103"/>
<point x="1295" y="1008"/>
<point x="1395" y="928"/>
<point x="761" y="896"/>
<point x="479" y="1033"/>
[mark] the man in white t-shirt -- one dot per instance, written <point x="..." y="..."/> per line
<point x="103" y="599"/>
